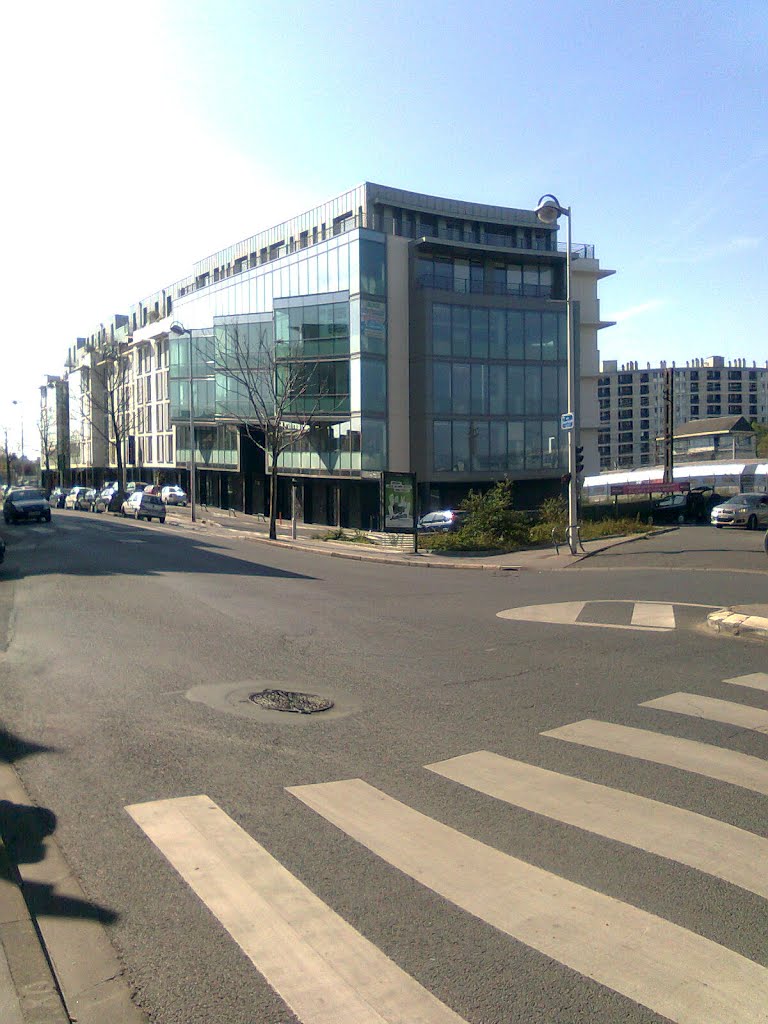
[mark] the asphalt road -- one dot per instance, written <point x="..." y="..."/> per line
<point x="115" y="622"/>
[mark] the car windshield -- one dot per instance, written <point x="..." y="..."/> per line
<point x="743" y="499"/>
<point x="672" y="500"/>
<point x="26" y="495"/>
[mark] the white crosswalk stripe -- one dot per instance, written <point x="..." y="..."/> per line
<point x="675" y="972"/>
<point x="754" y="680"/>
<point x="712" y="709"/>
<point x="326" y="972"/>
<point x="642" y="616"/>
<point x="714" y="847"/>
<point x="706" y="759"/>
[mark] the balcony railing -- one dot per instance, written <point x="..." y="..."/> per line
<point x="532" y="291"/>
<point x="579" y="250"/>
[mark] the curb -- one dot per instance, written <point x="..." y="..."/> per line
<point x="734" y="623"/>
<point x="416" y="562"/>
<point x="83" y="972"/>
<point x="28" y="990"/>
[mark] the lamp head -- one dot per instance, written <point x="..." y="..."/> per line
<point x="177" y="328"/>
<point x="549" y="209"/>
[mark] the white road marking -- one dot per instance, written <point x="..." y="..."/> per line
<point x="712" y="709"/>
<point x="647" y="613"/>
<point x="567" y="612"/>
<point x="325" y="970"/>
<point x="672" y="971"/>
<point x="714" y="762"/>
<point x="711" y="846"/>
<point x="755" y="680"/>
<point x="647" y="616"/>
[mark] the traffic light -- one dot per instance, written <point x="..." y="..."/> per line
<point x="579" y="458"/>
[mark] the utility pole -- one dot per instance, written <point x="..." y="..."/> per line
<point x="669" y="423"/>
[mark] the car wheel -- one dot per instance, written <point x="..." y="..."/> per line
<point x="161" y="519"/>
<point x="681" y="519"/>
<point x="7" y="520"/>
<point x="752" y="523"/>
<point x="718" y="526"/>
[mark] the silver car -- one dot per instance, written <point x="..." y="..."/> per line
<point x="748" y="510"/>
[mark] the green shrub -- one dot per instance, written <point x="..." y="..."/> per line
<point x="492" y="523"/>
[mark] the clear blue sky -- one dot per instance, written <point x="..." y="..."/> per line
<point x="141" y="137"/>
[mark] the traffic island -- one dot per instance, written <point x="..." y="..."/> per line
<point x="745" y="620"/>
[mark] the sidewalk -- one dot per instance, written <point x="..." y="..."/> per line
<point x="247" y="527"/>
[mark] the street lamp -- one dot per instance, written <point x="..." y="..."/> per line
<point x="179" y="330"/>
<point x="549" y="211"/>
<point x="21" y="459"/>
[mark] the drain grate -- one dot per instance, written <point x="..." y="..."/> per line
<point x="290" y="700"/>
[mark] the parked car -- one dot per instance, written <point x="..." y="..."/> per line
<point x="71" y="499"/>
<point x="447" y="521"/>
<point x="85" y="499"/>
<point x="141" y="505"/>
<point x="173" y="495"/>
<point x="109" y="500"/>
<point x="135" y="485"/>
<point x="749" y="510"/>
<point x="57" y="497"/>
<point x="26" y="503"/>
<point x="152" y="489"/>
<point x="692" y="506"/>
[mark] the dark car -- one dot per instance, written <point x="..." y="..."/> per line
<point x="109" y="500"/>
<point x="26" y="503"/>
<point x="689" y="507"/>
<point x="57" y="497"/>
<point x="2" y="549"/>
<point x="446" y="521"/>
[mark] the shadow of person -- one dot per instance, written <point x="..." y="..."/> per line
<point x="14" y="748"/>
<point x="23" y="829"/>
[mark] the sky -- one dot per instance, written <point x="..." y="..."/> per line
<point x="141" y="137"/>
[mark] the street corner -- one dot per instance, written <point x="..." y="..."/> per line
<point x="747" y="621"/>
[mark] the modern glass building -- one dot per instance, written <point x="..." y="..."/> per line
<point x="428" y="334"/>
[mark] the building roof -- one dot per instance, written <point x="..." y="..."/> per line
<point x="714" y="425"/>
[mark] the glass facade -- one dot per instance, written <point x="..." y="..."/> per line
<point x="321" y="313"/>
<point x="499" y="384"/>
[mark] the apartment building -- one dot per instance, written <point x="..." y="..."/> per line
<point x="435" y="328"/>
<point x="631" y="403"/>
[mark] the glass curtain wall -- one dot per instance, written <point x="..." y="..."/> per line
<point x="498" y="387"/>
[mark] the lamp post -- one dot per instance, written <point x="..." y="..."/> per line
<point x="21" y="453"/>
<point x="549" y="211"/>
<point x="179" y="330"/>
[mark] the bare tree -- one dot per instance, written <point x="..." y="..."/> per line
<point x="45" y="426"/>
<point x="106" y="402"/>
<point x="271" y="389"/>
<point x="8" y="455"/>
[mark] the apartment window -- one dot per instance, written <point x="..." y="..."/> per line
<point x="694" y="410"/>
<point x="604" y="381"/>
<point x="734" y="375"/>
<point x="149" y="449"/>
<point x="625" y="378"/>
<point x="625" y="403"/>
<point x="643" y="378"/>
<point x="605" y="403"/>
<point x="605" y="417"/>
<point x="603" y="392"/>
<point x="626" y="390"/>
<point x="625" y="414"/>
<point x="644" y="401"/>
<point x="713" y="375"/>
<point x="753" y="410"/>
<point x="645" y="424"/>
<point x="694" y="375"/>
<point x="713" y="410"/>
<point x="735" y="410"/>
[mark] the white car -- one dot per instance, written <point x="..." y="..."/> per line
<point x="749" y="510"/>
<point x="173" y="495"/>
<point x="144" y="506"/>
<point x="72" y="498"/>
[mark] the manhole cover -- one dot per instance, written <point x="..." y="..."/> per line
<point x="289" y="700"/>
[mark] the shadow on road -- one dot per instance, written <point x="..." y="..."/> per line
<point x="24" y="829"/>
<point x="165" y="551"/>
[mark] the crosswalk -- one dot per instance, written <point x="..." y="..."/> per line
<point x="640" y="616"/>
<point x="327" y="972"/>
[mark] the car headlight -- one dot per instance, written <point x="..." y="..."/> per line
<point x="743" y="509"/>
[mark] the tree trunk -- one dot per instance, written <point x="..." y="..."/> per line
<point x="273" y="499"/>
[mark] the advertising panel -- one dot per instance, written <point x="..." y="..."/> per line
<point x="399" y="500"/>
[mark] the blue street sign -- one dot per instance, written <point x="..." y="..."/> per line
<point x="566" y="421"/>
